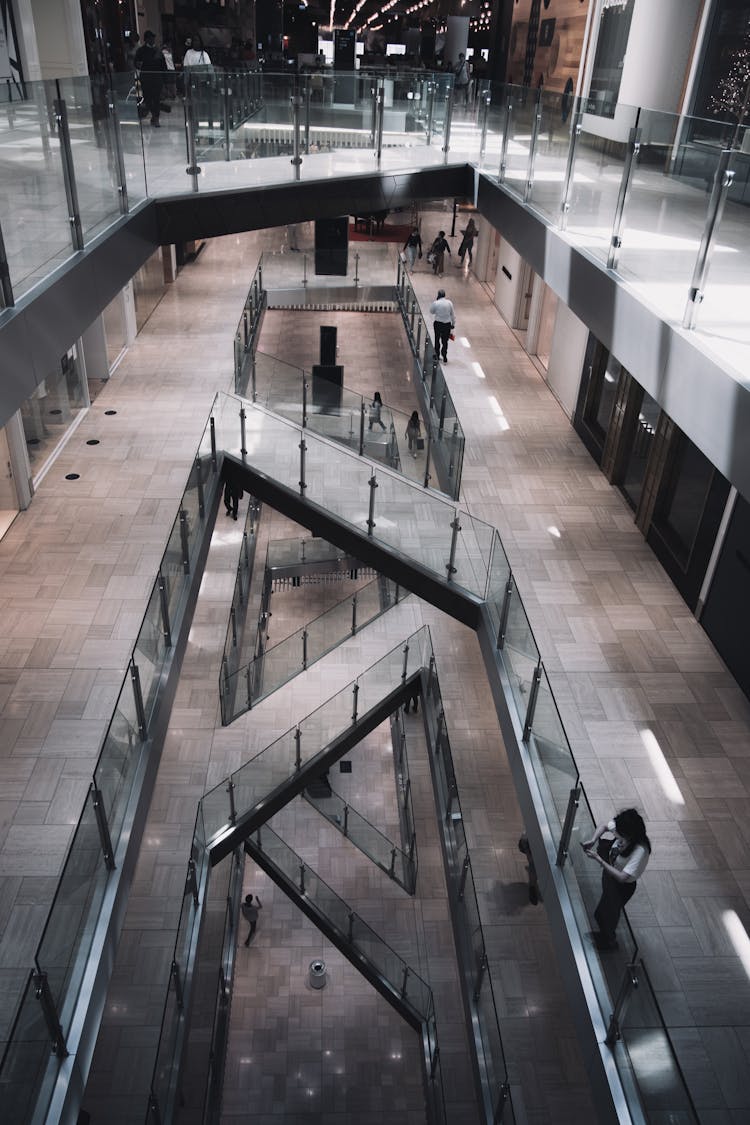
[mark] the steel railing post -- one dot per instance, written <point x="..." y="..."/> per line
<point x="371" y="511"/>
<point x="114" y="119"/>
<point x="484" y="115"/>
<point x="634" y="147"/>
<point x="243" y="435"/>
<point x="532" y="147"/>
<point x="629" y="982"/>
<point x="448" y="122"/>
<point x="69" y="176"/>
<point x="533" y="693"/>
<point x="380" y="119"/>
<point x="506" y="137"/>
<point x="103" y="827"/>
<point x="43" y="994"/>
<point x="722" y="183"/>
<point x="302" y="452"/>
<point x="164" y="606"/>
<point x="570" y="819"/>
<point x="504" y="612"/>
<point x="296" y="158"/>
<point x="567" y="190"/>
<point x="193" y="168"/>
<point x="140" y="712"/>
<point x="455" y="529"/>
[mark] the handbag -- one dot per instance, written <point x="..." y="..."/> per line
<point x="430" y="257"/>
<point x="420" y="443"/>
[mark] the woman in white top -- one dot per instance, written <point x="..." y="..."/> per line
<point x="623" y="851"/>
<point x="195" y="55"/>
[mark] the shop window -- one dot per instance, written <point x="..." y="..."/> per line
<point x="611" y="45"/>
<point x="597" y="397"/>
<point x="641" y="440"/>
<point x="49" y="411"/>
<point x="682" y="499"/>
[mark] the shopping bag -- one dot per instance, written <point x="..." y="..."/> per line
<point x="420" y="443"/>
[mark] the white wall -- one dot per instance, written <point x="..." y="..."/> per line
<point x="59" y="38"/>
<point x="656" y="64"/>
<point x="569" y="341"/>
<point x="507" y="288"/>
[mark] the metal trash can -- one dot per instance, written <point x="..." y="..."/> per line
<point x="318" y="977"/>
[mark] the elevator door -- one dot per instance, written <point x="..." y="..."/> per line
<point x="726" y="617"/>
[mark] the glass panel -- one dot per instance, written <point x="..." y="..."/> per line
<point x="166" y="1057"/>
<point x="519" y="142"/>
<point x="558" y="116"/>
<point x="595" y="182"/>
<point x="70" y="925"/>
<point x="495" y="128"/>
<point x="93" y="149"/>
<point x="665" y="214"/>
<point x="115" y="769"/>
<point x="723" y="311"/>
<point x="267" y="770"/>
<point x="126" y="102"/>
<point x="520" y="653"/>
<point x="381" y="678"/>
<point x="558" y="768"/>
<point x="648" y="1053"/>
<point x="33" y="205"/>
<point x="327" y="631"/>
<point x="28" y="1070"/>
<point x="498" y="580"/>
<point x="215" y="809"/>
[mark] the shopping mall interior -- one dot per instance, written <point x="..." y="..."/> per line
<point x="261" y="636"/>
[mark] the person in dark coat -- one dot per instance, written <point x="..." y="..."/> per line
<point x="232" y="497"/>
<point x="149" y="62"/>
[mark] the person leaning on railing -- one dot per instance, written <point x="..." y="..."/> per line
<point x="623" y="851"/>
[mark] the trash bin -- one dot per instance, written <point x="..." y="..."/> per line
<point x="318" y="976"/>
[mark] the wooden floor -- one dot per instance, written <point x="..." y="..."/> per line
<point x="625" y="657"/>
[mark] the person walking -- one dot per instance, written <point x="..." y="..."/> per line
<point x="376" y="407"/>
<point x="444" y="322"/>
<point x="413" y="433"/>
<point x="437" y="253"/>
<point x="622" y="850"/>
<point x="412" y="247"/>
<point x="462" y="72"/>
<point x="250" y="914"/>
<point x="467" y="242"/>
<point x="232" y="497"/>
<point x="150" y="65"/>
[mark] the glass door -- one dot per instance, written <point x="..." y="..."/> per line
<point x="9" y="505"/>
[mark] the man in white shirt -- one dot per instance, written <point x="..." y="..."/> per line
<point x="445" y="321"/>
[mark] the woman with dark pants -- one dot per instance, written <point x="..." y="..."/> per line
<point x="623" y="852"/>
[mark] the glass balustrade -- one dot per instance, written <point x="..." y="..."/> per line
<point x="559" y="154"/>
<point x="241" y="688"/>
<point x="69" y="933"/>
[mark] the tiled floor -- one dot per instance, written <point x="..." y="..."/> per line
<point x="624" y="655"/>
